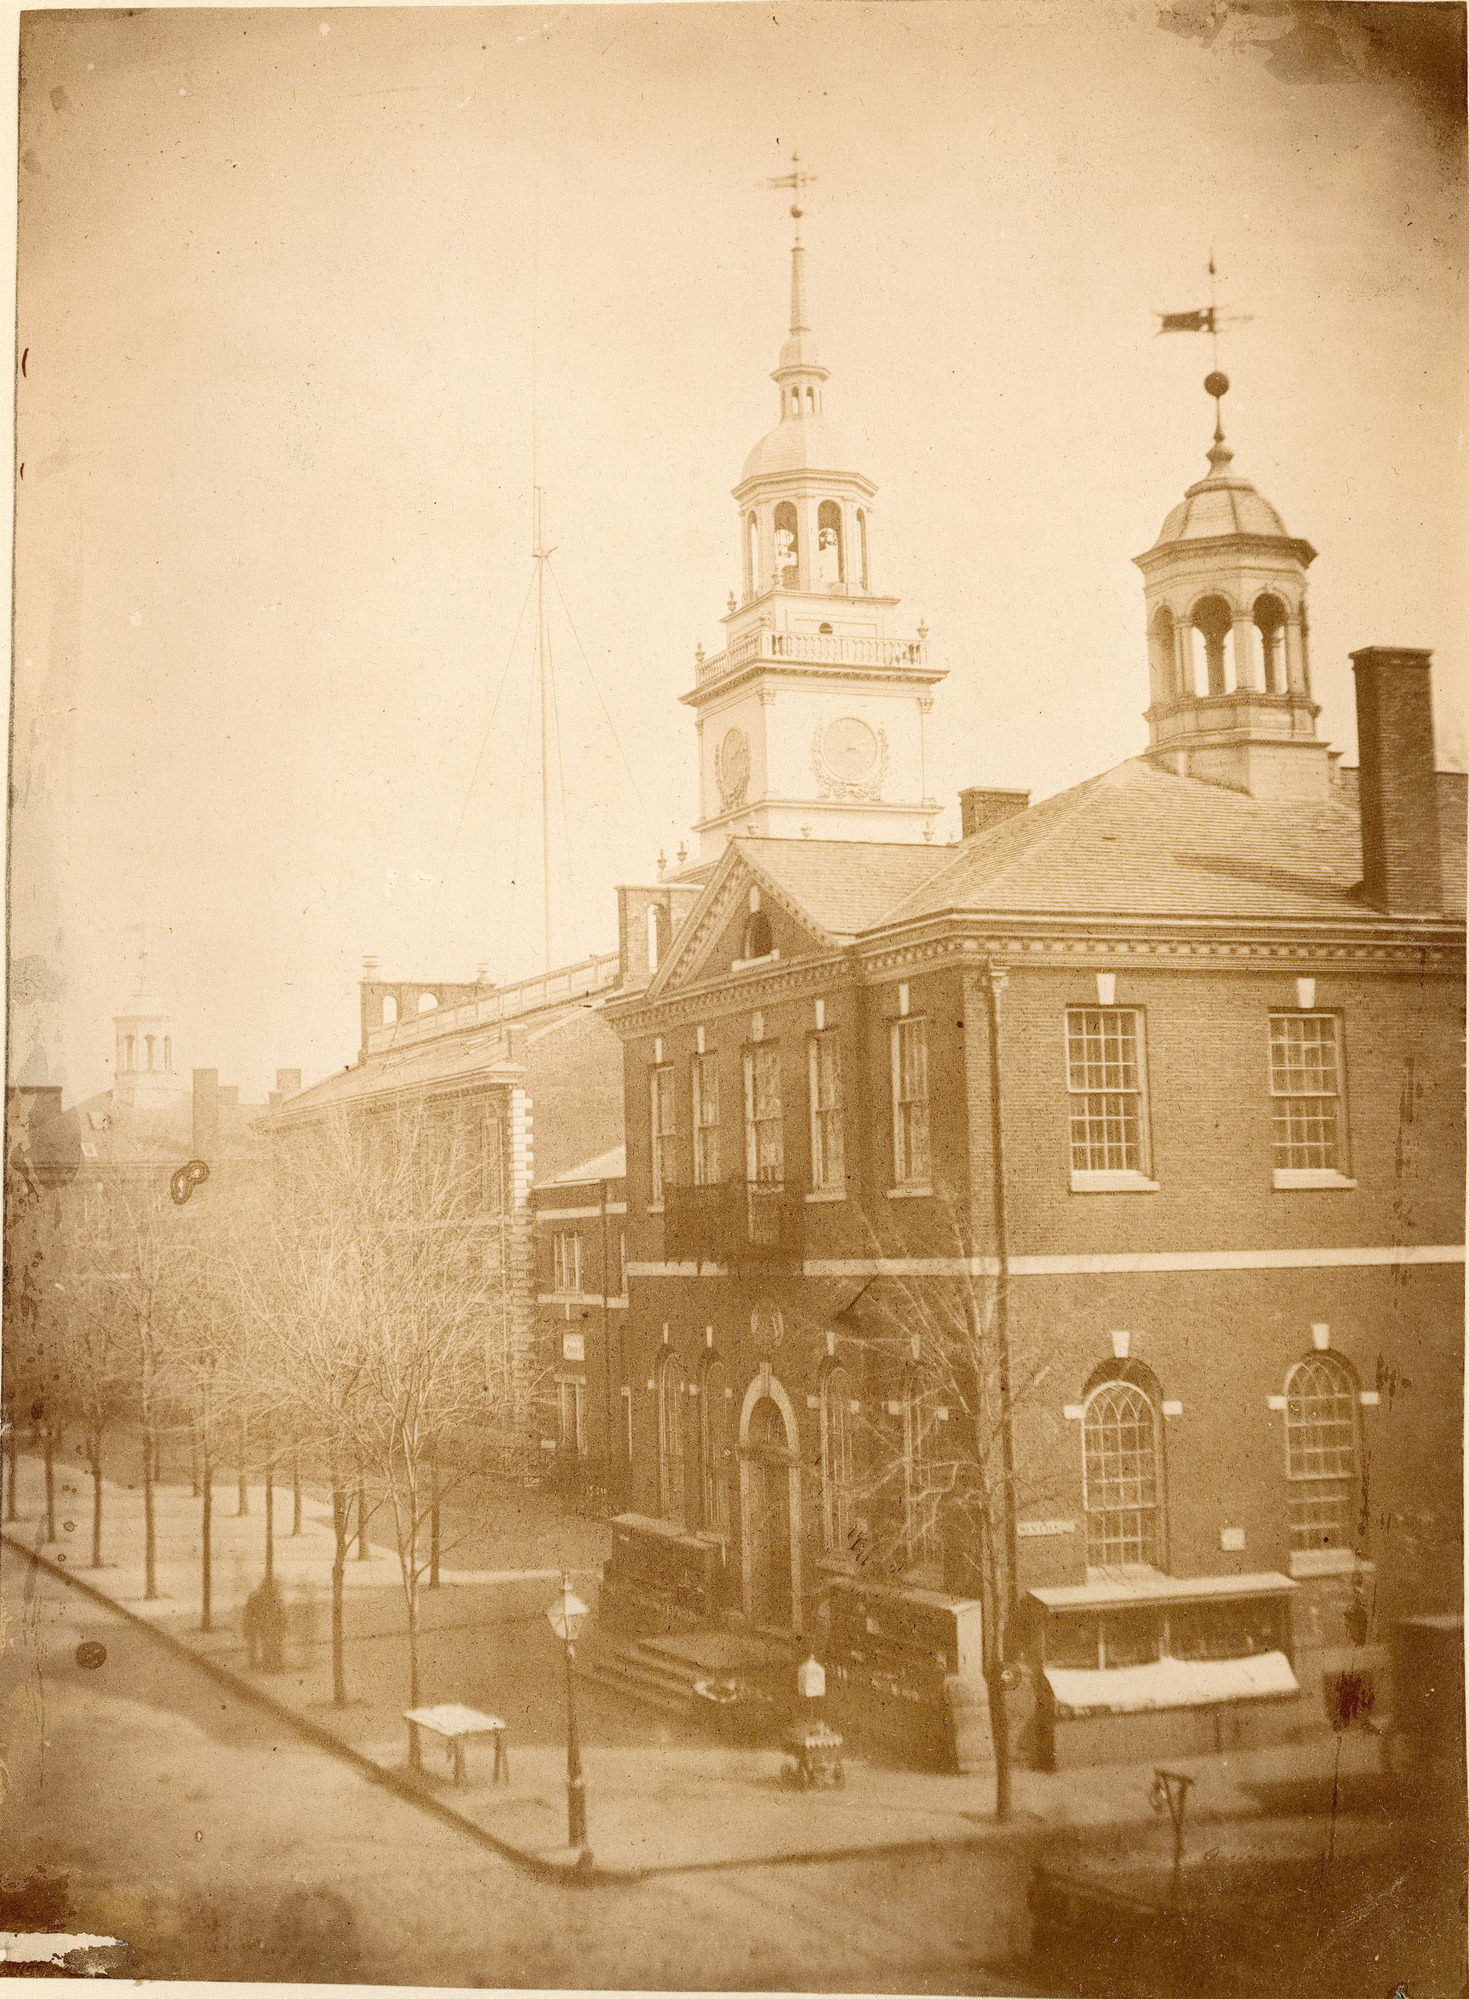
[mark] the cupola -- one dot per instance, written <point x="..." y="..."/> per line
<point x="1229" y="671"/>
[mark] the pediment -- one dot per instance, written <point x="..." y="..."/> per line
<point x="714" y="940"/>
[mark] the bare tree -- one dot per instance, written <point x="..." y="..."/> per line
<point x="935" y="1473"/>
<point x="382" y="1275"/>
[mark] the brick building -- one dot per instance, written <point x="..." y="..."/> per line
<point x="581" y="1297"/>
<point x="1160" y="1081"/>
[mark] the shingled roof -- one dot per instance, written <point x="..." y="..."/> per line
<point x="1138" y="841"/>
<point x="844" y="886"/>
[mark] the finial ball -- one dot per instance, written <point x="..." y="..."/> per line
<point x="1216" y="384"/>
<point x="796" y="210"/>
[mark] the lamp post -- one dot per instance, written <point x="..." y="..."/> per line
<point x="566" y="1617"/>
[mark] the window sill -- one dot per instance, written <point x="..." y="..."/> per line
<point x="746" y="964"/>
<point x="654" y="1208"/>
<point x="913" y="1192"/>
<point x="827" y="1194"/>
<point x="1112" y="1182"/>
<point x="1328" y="1562"/>
<point x="1309" y="1176"/>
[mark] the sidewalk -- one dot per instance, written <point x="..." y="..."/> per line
<point x="661" y="1797"/>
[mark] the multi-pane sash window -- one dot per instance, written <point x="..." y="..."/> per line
<point x="573" y="1433"/>
<point x="566" y="1258"/>
<point x="838" y="1461"/>
<point x="714" y="1448"/>
<point x="923" y="1477"/>
<point x="1305" y="1085"/>
<point x="1104" y="1076"/>
<point x="661" y="1150"/>
<point x="1120" y="1477"/>
<point x="828" y="1161"/>
<point x="764" y="1136"/>
<point x="670" y="1440"/>
<point x="706" y="1120"/>
<point x="910" y="1103"/>
<point x="1321" y="1454"/>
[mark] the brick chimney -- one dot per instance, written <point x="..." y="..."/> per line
<point x="979" y="809"/>
<point x="1398" y="792"/>
<point x="206" y="1114"/>
<point x="288" y="1082"/>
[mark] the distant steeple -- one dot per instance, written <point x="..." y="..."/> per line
<point x="144" y="1075"/>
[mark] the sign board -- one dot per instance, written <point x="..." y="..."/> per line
<point x="811" y="1680"/>
<point x="573" y="1346"/>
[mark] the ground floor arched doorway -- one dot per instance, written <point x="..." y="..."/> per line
<point x="770" y="1507"/>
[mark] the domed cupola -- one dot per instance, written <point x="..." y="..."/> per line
<point x="1225" y="587"/>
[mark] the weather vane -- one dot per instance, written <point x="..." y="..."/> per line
<point x="1207" y="319"/>
<point x="795" y="180"/>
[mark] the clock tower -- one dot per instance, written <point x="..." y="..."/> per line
<point x="812" y="722"/>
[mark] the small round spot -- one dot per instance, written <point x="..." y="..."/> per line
<point x="69" y="1526"/>
<point x="61" y="1555"/>
<point x="91" y="1654"/>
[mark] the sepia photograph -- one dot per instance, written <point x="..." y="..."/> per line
<point x="734" y="1165"/>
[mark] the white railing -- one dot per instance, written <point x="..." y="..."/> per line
<point x="567" y="982"/>
<point x="814" y="648"/>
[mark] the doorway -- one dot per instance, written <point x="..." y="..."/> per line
<point x="770" y="1500"/>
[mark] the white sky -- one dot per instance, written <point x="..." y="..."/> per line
<point x="279" y="280"/>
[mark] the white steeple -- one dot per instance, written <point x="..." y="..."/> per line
<point x="812" y="720"/>
<point x="144" y="1077"/>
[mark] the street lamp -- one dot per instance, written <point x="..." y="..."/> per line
<point x="566" y="1616"/>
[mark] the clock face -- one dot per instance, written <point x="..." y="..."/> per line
<point x="849" y="748"/>
<point x="733" y="766"/>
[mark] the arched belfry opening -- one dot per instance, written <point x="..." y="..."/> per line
<point x="1164" y="685"/>
<point x="1270" y="624"/>
<point x="1211" y="630"/>
<point x="831" y="566"/>
<point x="787" y="547"/>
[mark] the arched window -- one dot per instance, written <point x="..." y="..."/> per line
<point x="1120" y="1477"/>
<point x="862" y="542"/>
<point x="758" y="940"/>
<point x="752" y="554"/>
<point x="670" y="1440"/>
<point x="811" y="401"/>
<point x="838" y="1462"/>
<point x="390" y="1011"/>
<point x="168" y="1053"/>
<point x="714" y="1448"/>
<point x="923" y="1479"/>
<point x="787" y="550"/>
<point x="1270" y="624"/>
<point x="1163" y="657"/>
<point x="1321" y="1454"/>
<point x="148" y="1044"/>
<point x="1213" y="643"/>
<point x="830" y="555"/>
<point x="427" y="1002"/>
